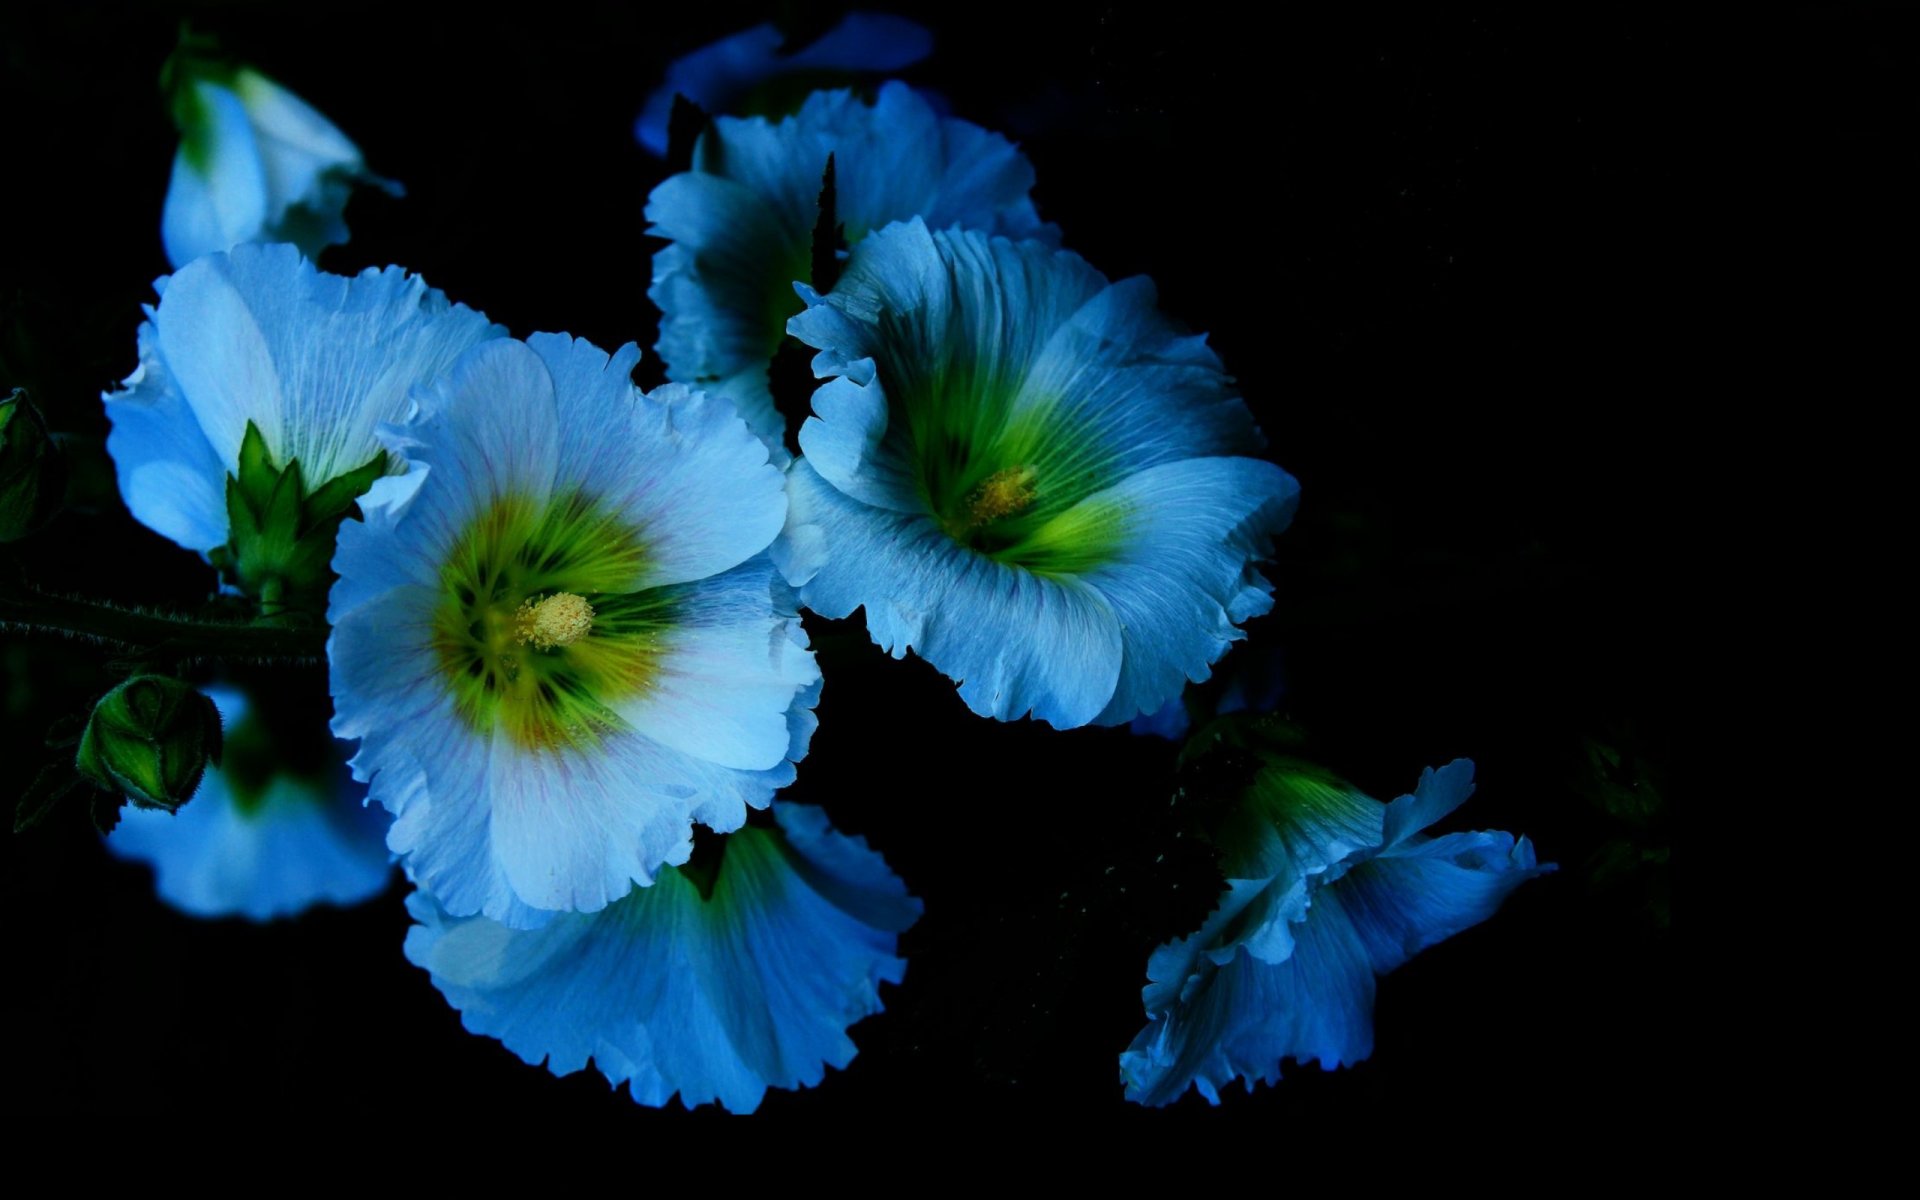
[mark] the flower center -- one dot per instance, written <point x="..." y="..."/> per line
<point x="559" y="620"/>
<point x="537" y="634"/>
<point x="1004" y="493"/>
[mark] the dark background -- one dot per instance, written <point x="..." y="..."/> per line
<point x="1438" y="251"/>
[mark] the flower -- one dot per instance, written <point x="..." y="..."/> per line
<point x="256" y="368"/>
<point x="742" y="221"/>
<point x="751" y="71"/>
<point x="258" y="840"/>
<point x="557" y="636"/>
<point x="256" y="164"/>
<point x="717" y="983"/>
<point x="1326" y="890"/>
<point x="1027" y="476"/>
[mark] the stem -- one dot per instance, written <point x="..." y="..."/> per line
<point x="184" y="636"/>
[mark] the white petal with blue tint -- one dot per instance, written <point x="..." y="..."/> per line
<point x="315" y="361"/>
<point x="712" y="996"/>
<point x="298" y="843"/>
<point x="959" y="610"/>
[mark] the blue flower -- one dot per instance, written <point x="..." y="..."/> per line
<point x="750" y="71"/>
<point x="1027" y="476"/>
<point x="257" y="841"/>
<point x="256" y="164"/>
<point x="1327" y="889"/>
<point x="716" y="983"/>
<point x="260" y="337"/>
<point x="558" y="637"/>
<point x="742" y="221"/>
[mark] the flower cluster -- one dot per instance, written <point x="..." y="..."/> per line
<point x="561" y="613"/>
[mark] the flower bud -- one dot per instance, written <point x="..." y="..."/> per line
<point x="33" y="475"/>
<point x="151" y="738"/>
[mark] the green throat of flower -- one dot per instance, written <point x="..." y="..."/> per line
<point x="1015" y="491"/>
<point x="535" y="636"/>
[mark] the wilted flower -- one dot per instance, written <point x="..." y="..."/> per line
<point x="558" y="636"/>
<point x="1327" y="889"/>
<point x="247" y="430"/>
<point x="261" y="840"/>
<point x="738" y="972"/>
<point x="1027" y="476"/>
<point x="743" y="222"/>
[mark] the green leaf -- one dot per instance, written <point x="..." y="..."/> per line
<point x="52" y="785"/>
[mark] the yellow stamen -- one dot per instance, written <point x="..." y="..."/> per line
<point x="559" y="620"/>
<point x="1001" y="494"/>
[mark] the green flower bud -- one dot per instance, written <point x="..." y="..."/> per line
<point x="150" y="738"/>
<point x="33" y="474"/>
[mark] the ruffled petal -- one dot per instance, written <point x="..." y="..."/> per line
<point x="1016" y="642"/>
<point x="714" y="997"/>
<point x="169" y="475"/>
<point x="1240" y="1020"/>
<point x="724" y="288"/>
<point x="741" y="222"/>
<point x="316" y="361"/>
<point x="300" y="843"/>
<point x="728" y="673"/>
<point x="1180" y="579"/>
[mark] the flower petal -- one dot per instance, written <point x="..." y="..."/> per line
<point x="1015" y="641"/>
<point x="711" y="997"/>
<point x="317" y="361"/>
<point x="1180" y="579"/>
<point x="218" y="196"/>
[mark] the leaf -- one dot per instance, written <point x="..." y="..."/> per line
<point x="48" y="788"/>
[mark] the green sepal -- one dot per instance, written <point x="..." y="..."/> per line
<point x="150" y="739"/>
<point x="281" y="538"/>
<point x="197" y="57"/>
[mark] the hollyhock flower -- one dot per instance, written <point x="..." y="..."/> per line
<point x="742" y="222"/>
<point x="723" y="979"/>
<point x="1327" y="889"/>
<point x="751" y="72"/>
<point x="558" y="637"/>
<point x="1027" y="476"/>
<point x="259" y="840"/>
<point x="256" y="164"/>
<point x="247" y="430"/>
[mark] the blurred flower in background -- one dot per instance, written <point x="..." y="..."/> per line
<point x="256" y="163"/>
<point x="755" y="73"/>
<point x="259" y="840"/>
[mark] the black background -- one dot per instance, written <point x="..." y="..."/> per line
<point x="1438" y="252"/>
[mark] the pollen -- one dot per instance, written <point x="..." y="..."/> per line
<point x="558" y="620"/>
<point x="1001" y="494"/>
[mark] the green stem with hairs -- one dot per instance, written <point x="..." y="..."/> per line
<point x="22" y="609"/>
